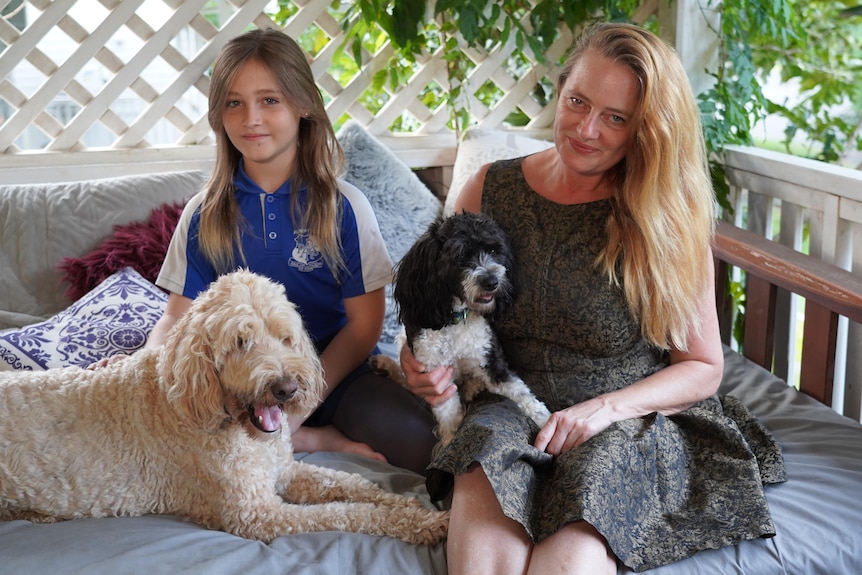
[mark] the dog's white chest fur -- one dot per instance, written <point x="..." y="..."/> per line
<point x="464" y="346"/>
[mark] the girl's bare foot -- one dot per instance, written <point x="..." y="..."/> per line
<point x="106" y="361"/>
<point x="329" y="438"/>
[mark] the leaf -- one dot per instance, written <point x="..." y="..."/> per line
<point x="407" y="15"/>
<point x="356" y="50"/>
<point x="468" y="24"/>
<point x="544" y="18"/>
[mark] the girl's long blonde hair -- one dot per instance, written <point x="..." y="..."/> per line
<point x="319" y="156"/>
<point x="663" y="219"/>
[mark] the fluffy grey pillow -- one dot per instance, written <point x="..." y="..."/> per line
<point x="405" y="207"/>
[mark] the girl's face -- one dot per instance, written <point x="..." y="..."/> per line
<point x="595" y="110"/>
<point x="260" y="122"/>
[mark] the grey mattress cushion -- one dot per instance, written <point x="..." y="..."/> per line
<point x="817" y="515"/>
<point x="818" y="511"/>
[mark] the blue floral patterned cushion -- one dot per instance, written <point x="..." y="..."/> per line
<point x="115" y="317"/>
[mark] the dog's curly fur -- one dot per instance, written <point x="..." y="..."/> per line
<point x="196" y="428"/>
<point x="450" y="283"/>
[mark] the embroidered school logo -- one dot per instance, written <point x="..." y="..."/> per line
<point x="305" y="256"/>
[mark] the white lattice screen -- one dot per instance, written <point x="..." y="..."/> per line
<point x="108" y="76"/>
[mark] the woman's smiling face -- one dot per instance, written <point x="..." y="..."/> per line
<point x="595" y="114"/>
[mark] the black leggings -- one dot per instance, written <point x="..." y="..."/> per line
<point x="372" y="409"/>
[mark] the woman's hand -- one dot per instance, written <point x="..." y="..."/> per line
<point x="574" y="425"/>
<point x="435" y="386"/>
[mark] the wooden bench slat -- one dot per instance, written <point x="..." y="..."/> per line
<point x="817" y="372"/>
<point x="758" y="342"/>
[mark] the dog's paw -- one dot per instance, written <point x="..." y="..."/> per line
<point x="427" y="527"/>
<point x="539" y="413"/>
<point x="379" y="364"/>
<point x="31" y="516"/>
<point x="516" y="390"/>
<point x="387" y="367"/>
<point x="395" y="500"/>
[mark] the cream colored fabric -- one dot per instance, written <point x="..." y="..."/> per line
<point x="40" y="224"/>
<point x="479" y="147"/>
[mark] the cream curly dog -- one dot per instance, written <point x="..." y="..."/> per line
<point x="196" y="428"/>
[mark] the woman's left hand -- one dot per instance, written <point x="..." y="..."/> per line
<point x="574" y="425"/>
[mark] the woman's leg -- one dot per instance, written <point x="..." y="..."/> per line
<point x="393" y="421"/>
<point x="482" y="540"/>
<point x="576" y="549"/>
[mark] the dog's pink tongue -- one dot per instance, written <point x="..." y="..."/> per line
<point x="269" y="417"/>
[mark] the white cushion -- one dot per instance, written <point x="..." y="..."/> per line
<point x="479" y="147"/>
<point x="115" y="317"/>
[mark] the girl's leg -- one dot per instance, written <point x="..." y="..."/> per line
<point x="393" y="421"/>
<point x="329" y="438"/>
<point x="482" y="540"/>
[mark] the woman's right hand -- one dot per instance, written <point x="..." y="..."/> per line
<point x="435" y="386"/>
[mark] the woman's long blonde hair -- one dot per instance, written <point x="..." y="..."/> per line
<point x="319" y="156"/>
<point x="664" y="210"/>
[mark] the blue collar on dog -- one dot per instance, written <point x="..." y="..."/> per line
<point x="459" y="316"/>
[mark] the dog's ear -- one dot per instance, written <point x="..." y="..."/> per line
<point x="421" y="283"/>
<point x="506" y="256"/>
<point x="188" y="374"/>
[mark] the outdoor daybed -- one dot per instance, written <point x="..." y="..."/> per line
<point x="817" y="512"/>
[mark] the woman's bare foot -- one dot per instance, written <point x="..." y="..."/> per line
<point x="329" y="438"/>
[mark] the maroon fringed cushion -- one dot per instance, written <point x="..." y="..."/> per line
<point x="140" y="245"/>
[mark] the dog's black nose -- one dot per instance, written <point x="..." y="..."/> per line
<point x="283" y="390"/>
<point x="490" y="282"/>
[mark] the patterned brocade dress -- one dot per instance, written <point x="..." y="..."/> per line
<point x="658" y="488"/>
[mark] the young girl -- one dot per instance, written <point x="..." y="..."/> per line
<point x="275" y="205"/>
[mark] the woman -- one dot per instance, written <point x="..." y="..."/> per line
<point x="615" y="330"/>
<point x="275" y="205"/>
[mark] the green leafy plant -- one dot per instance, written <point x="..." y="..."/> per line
<point x="816" y="46"/>
<point x="825" y="122"/>
<point x="449" y="27"/>
<point x="735" y="103"/>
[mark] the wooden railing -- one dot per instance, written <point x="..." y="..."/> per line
<point x="816" y="208"/>
<point x="830" y="292"/>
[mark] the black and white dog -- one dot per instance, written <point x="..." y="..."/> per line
<point x="454" y="279"/>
